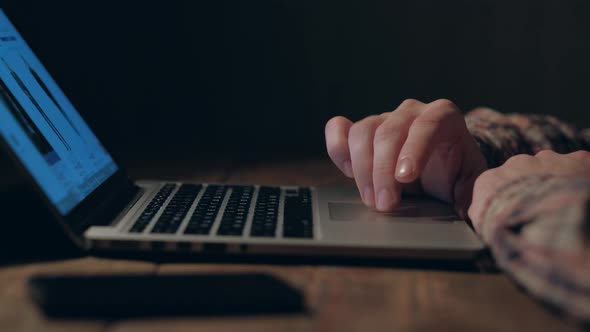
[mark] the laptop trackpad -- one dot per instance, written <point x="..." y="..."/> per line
<point x="409" y="209"/>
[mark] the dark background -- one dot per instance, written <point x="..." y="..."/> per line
<point x="252" y="79"/>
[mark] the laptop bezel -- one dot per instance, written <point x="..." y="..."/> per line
<point x="100" y="206"/>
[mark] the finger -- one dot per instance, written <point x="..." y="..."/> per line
<point x="546" y="154"/>
<point x="581" y="155"/>
<point x="523" y="164"/>
<point x="483" y="190"/>
<point x="337" y="143"/>
<point x="440" y="123"/>
<point x="387" y="143"/>
<point x="360" y="143"/>
<point x="463" y="187"/>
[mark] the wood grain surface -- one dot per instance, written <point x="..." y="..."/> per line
<point x="340" y="297"/>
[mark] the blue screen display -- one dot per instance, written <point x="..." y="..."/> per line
<point x="43" y="128"/>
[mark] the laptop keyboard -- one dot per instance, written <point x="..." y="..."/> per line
<point x="298" y="216"/>
<point x="236" y="211"/>
<point x="266" y="213"/>
<point x="177" y="209"/>
<point x="150" y="211"/>
<point x="206" y="211"/>
<point x="236" y="214"/>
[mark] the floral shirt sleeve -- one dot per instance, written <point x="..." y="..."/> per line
<point x="538" y="227"/>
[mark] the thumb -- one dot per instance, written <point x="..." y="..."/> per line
<point x="472" y="167"/>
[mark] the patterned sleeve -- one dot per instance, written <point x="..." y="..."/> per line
<point x="502" y="136"/>
<point x="538" y="227"/>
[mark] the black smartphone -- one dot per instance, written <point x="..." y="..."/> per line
<point x="134" y="295"/>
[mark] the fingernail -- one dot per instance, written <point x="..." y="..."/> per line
<point x="368" y="196"/>
<point x="405" y="168"/>
<point x="347" y="168"/>
<point x="384" y="200"/>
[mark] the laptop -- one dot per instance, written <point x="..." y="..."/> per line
<point x="101" y="209"/>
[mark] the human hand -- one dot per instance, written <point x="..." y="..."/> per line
<point x="546" y="162"/>
<point x="418" y="143"/>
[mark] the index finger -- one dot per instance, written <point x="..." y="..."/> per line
<point x="440" y="123"/>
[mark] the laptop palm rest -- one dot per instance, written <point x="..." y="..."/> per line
<point x="417" y="210"/>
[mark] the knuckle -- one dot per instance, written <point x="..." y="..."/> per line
<point x="356" y="131"/>
<point x="409" y="103"/>
<point x="444" y="104"/>
<point x="581" y="154"/>
<point x="363" y="128"/>
<point x="519" y="159"/>
<point x="336" y="122"/>
<point x="545" y="153"/>
<point x="439" y="111"/>
<point x="482" y="178"/>
<point x="388" y="130"/>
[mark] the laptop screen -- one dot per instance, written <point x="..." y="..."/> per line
<point x="43" y="128"/>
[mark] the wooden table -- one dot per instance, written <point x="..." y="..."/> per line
<point x="341" y="297"/>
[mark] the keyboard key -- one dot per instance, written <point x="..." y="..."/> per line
<point x="206" y="210"/>
<point x="236" y="211"/>
<point x="177" y="209"/>
<point x="298" y="221"/>
<point x="152" y="209"/>
<point x="264" y="222"/>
